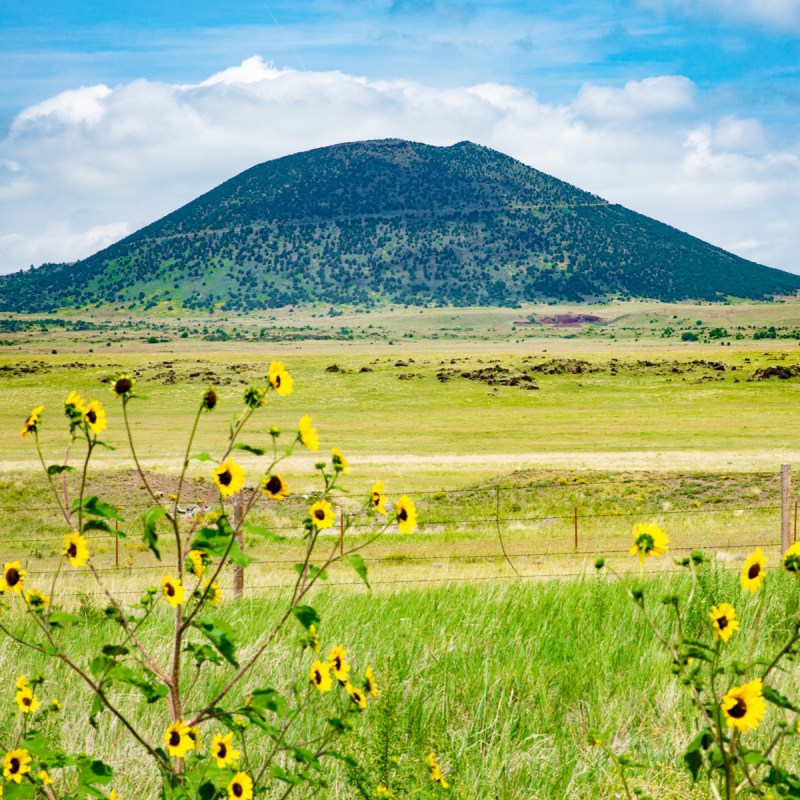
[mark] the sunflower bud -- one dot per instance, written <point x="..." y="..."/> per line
<point x="599" y="563"/>
<point x="210" y="400"/>
<point x="254" y="396"/>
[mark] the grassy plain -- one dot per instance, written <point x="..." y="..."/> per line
<point x="501" y="675"/>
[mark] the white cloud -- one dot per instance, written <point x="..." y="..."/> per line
<point x="775" y="13"/>
<point x="666" y="94"/>
<point x="88" y="166"/>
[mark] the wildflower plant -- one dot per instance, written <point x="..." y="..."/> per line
<point x="742" y="721"/>
<point x="224" y="734"/>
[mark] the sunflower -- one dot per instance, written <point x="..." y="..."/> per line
<point x="32" y="423"/>
<point x="26" y="701"/>
<point x="356" y="695"/>
<point x="15" y="765"/>
<point x="209" y="400"/>
<point x="406" y="515"/>
<point x="123" y="385"/>
<point x="255" y="396"/>
<point x="744" y="706"/>
<point x="275" y="486"/>
<point x="648" y="540"/>
<point x="370" y="685"/>
<point x="241" y="787"/>
<point x="339" y="667"/>
<point x="195" y="563"/>
<point x="113" y="795"/>
<point x="173" y="590"/>
<point x="229" y="477"/>
<point x="22" y="681"/>
<point x="45" y="778"/>
<point x="222" y="750"/>
<point x="13" y="577"/>
<point x="76" y="549"/>
<point x="791" y="559"/>
<point x="320" y="676"/>
<point x="308" y="435"/>
<point x="73" y="403"/>
<point x="378" y="498"/>
<point x="313" y="638"/>
<point x="753" y="571"/>
<point x="280" y="379"/>
<point x="436" y="772"/>
<point x="178" y="739"/>
<point x="322" y="514"/>
<point x="36" y="600"/>
<point x="340" y="463"/>
<point x="725" y="622"/>
<point x="382" y="791"/>
<point x="214" y="595"/>
<point x="95" y="417"/>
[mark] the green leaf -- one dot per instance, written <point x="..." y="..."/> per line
<point x="203" y="653"/>
<point x="60" y="619"/>
<point x="202" y="457"/>
<point x="282" y="775"/>
<point x="115" y="650"/>
<point x="93" y="771"/>
<point x="98" y="706"/>
<point x="149" y="535"/>
<point x="256" y="451"/>
<point x="17" y="791"/>
<point x="696" y="652"/>
<point x="313" y="571"/>
<point x="357" y="563"/>
<point x="347" y="760"/>
<point x="258" y="530"/>
<point x="102" y="525"/>
<point x="776" y="698"/>
<point x="207" y="791"/>
<point x="306" y="616"/>
<point x="693" y="756"/>
<point x="304" y="756"/>
<point x="103" y="444"/>
<point x="56" y="469"/>
<point x="270" y="700"/>
<point x="36" y="744"/>
<point x="99" y="508"/>
<point x="220" y="634"/>
<point x="215" y="542"/>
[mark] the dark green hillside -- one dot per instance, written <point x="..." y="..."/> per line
<point x="395" y="220"/>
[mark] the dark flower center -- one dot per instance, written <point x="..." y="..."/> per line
<point x="319" y="514"/>
<point x="277" y="381"/>
<point x="238" y="790"/>
<point x="123" y="386"/>
<point x="13" y="766"/>
<point x="27" y="700"/>
<point x="722" y="622"/>
<point x="72" y="550"/>
<point x="170" y="589"/>
<point x="738" y="710"/>
<point x="754" y="571"/>
<point x="174" y="739"/>
<point x="12" y="576"/>
<point x="337" y="664"/>
<point x="317" y="677"/>
<point x="225" y="477"/>
<point x="91" y="417"/>
<point x="210" y="399"/>
<point x="274" y="485"/>
<point x="402" y="515"/>
<point x="222" y="751"/>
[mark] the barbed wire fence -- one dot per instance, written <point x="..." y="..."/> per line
<point x="538" y="557"/>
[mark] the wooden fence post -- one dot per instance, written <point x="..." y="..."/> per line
<point x="341" y="531"/>
<point x="786" y="491"/>
<point x="575" y="517"/>
<point x="238" y="572"/>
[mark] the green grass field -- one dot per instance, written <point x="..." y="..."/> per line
<point x="502" y="434"/>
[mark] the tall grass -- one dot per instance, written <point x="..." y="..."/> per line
<point x="503" y="682"/>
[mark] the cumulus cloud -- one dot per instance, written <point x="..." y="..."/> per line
<point x="90" y="165"/>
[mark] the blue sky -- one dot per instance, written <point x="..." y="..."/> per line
<point x="686" y="110"/>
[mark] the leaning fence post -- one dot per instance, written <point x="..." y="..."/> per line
<point x="786" y="490"/>
<point x="238" y="572"/>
